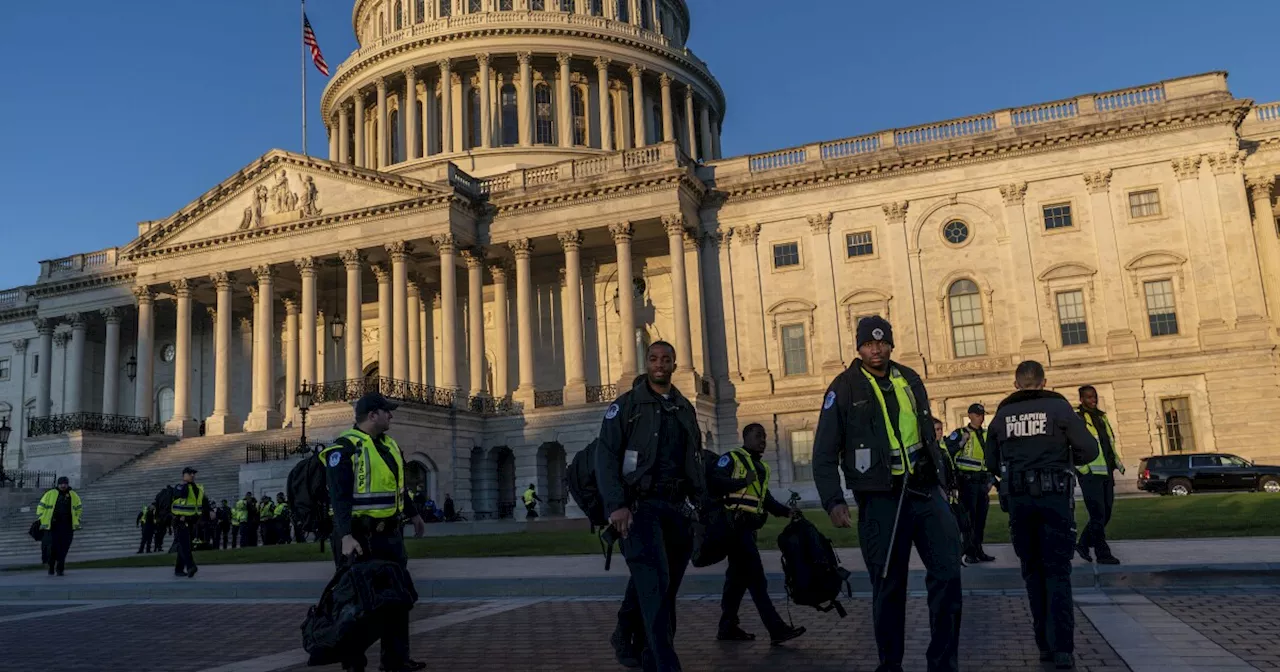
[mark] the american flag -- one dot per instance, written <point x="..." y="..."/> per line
<point x="309" y="39"/>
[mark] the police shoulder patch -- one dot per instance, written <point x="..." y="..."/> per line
<point x="335" y="457"/>
<point x="829" y="401"/>
<point x="954" y="435"/>
<point x="724" y="461"/>
<point x="612" y="412"/>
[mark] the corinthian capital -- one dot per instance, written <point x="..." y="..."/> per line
<point x="444" y="243"/>
<point x="602" y="63"/>
<point x="895" y="212"/>
<point x="1098" y="181"/>
<point x="399" y="250"/>
<point x="1187" y="167"/>
<point x="221" y="280"/>
<point x="1226" y="163"/>
<point x="380" y="272"/>
<point x="522" y="247"/>
<point x="635" y="70"/>
<point x="351" y="259"/>
<point x="1260" y="187"/>
<point x="112" y="315"/>
<point x="1013" y="194"/>
<point x="264" y="273"/>
<point x="143" y="294"/>
<point x="748" y="233"/>
<point x="820" y="223"/>
<point x="564" y="58"/>
<point x="474" y="256"/>
<point x="523" y="58"/>
<point x="181" y="288"/>
<point x="76" y="320"/>
<point x="498" y="269"/>
<point x="570" y="240"/>
<point x="19" y="346"/>
<point x="674" y="224"/>
<point x="620" y="231"/>
<point x="306" y="265"/>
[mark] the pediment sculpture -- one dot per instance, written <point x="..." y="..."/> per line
<point x="283" y="202"/>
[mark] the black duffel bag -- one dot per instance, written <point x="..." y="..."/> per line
<point x="349" y="616"/>
<point x="35" y="531"/>
<point x="711" y="531"/>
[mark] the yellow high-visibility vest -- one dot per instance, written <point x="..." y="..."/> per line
<point x="191" y="504"/>
<point x="49" y="500"/>
<point x="908" y="425"/>
<point x="1098" y="466"/>
<point x="751" y="497"/>
<point x="378" y="489"/>
<point x="971" y="457"/>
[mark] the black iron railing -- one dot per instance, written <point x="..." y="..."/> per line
<point x="547" y="398"/>
<point x="602" y="394"/>
<point x="279" y="450"/>
<point x="28" y="479"/>
<point x="398" y="390"/>
<point x="493" y="405"/>
<point x="93" y="422"/>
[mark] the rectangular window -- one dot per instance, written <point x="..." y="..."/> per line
<point x="786" y="254"/>
<point x="802" y="455"/>
<point x="4" y="368"/>
<point x="1145" y="203"/>
<point x="1057" y="216"/>
<point x="795" y="360"/>
<point x="859" y="244"/>
<point x="1161" y="314"/>
<point x="35" y="365"/>
<point x="1071" y="320"/>
<point x="1178" y="434"/>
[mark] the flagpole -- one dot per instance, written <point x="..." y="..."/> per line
<point x="302" y="20"/>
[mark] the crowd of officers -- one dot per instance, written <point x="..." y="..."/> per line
<point x="913" y="486"/>
<point x="249" y="522"/>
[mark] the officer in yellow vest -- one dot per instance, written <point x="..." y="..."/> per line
<point x="967" y="446"/>
<point x="530" y="508"/>
<point x="365" y="471"/>
<point x="189" y="505"/>
<point x="239" y="516"/>
<point x="267" y="519"/>
<point x="740" y="479"/>
<point x="59" y="511"/>
<point x="1097" y="480"/>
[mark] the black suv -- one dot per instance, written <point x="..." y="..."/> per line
<point x="1205" y="472"/>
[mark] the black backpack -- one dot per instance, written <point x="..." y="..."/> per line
<point x="813" y="573"/>
<point x="349" y="615"/>
<point x="580" y="481"/>
<point x="307" y="491"/>
<point x="164" y="507"/>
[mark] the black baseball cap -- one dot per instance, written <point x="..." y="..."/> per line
<point x="977" y="408"/>
<point x="64" y="479"/>
<point x="374" y="402"/>
<point x="188" y="470"/>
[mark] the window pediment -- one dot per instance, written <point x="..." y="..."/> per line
<point x="1157" y="259"/>
<point x="1067" y="270"/>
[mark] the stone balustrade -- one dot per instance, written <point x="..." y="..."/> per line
<point x="89" y="262"/>
<point x="663" y="154"/>
<point x="1268" y="112"/>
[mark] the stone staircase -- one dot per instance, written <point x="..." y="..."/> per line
<point x="112" y="503"/>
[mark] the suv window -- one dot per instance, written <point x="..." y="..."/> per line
<point x="1162" y="462"/>
<point x="1233" y="461"/>
<point x="1206" y="461"/>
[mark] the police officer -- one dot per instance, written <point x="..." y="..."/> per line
<point x="876" y="428"/>
<point x="967" y="447"/>
<point x="249" y="526"/>
<point x="1097" y="479"/>
<point x="530" y="508"/>
<point x="189" y="507"/>
<point x="648" y="466"/>
<point x="222" y="535"/>
<point x="239" y="515"/>
<point x="267" y="519"/>
<point x="147" y="521"/>
<point x="284" y="520"/>
<point x="741" y="479"/>
<point x="59" y="511"/>
<point x="1034" y="440"/>
<point x="367" y="504"/>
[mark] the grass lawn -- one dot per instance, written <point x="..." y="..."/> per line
<point x="1225" y="515"/>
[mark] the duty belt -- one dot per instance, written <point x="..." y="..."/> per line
<point x="1038" y="482"/>
<point x="666" y="489"/>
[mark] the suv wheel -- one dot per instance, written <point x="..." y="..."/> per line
<point x="1269" y="484"/>
<point x="1180" y="487"/>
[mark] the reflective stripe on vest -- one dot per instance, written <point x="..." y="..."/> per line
<point x="971" y="457"/>
<point x="908" y="424"/>
<point x="751" y="497"/>
<point x="190" y="505"/>
<point x="377" y="490"/>
<point x="1098" y="466"/>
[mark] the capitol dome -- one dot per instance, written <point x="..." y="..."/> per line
<point x="498" y="85"/>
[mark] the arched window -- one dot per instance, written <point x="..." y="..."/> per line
<point x="578" y="105"/>
<point x="473" y="116"/>
<point x="542" y="108"/>
<point x="646" y="14"/>
<point x="419" y="10"/>
<point x="506" y="5"/>
<point x="475" y="6"/>
<point x="967" y="332"/>
<point x="510" y="120"/>
<point x="613" y="123"/>
<point x="623" y="8"/>
<point x="418" y="138"/>
<point x="164" y="405"/>
<point x="437" y="125"/>
<point x="446" y="8"/>
<point x="538" y="5"/>
<point x="351" y="141"/>
<point x="597" y="7"/>
<point x="397" y="147"/>
<point x="655" y="122"/>
<point x="399" y="18"/>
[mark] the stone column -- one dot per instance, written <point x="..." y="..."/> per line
<point x="307" y="322"/>
<point x="906" y="332"/>
<point x="383" y="157"/>
<point x="1242" y="250"/>
<point x="486" y="117"/>
<point x="668" y="116"/>
<point x="333" y="140"/>
<point x="144" y="385"/>
<point x="1031" y="344"/>
<point x="705" y="119"/>
<point x="355" y="307"/>
<point x="565" y="117"/>
<point x="75" y="365"/>
<point x="637" y="105"/>
<point x="524" y="99"/>
<point x="221" y="421"/>
<point x="575" y="389"/>
<point x="409" y="113"/>
<point x="753" y="322"/>
<point x="674" y="224"/>
<point x="428" y="114"/>
<point x="111" y="365"/>
<point x="828" y="322"/>
<point x="501" y="330"/>
<point x="414" y="308"/>
<point x="722" y="239"/>
<point x="344" y="132"/>
<point x="446" y="106"/>
<point x="289" y="342"/>
<point x="1264" y="231"/>
<point x="715" y="140"/>
<point x="523" y="250"/>
<point x="264" y="415"/>
<point x="182" y="423"/>
<point x="1209" y="299"/>
<point x="449" y="311"/>
<point x="621" y="233"/>
<point x="606" y="128"/>
<point x="475" y="318"/>
<point x="399" y="253"/>
<point x="361" y="156"/>
<point x="693" y="245"/>
<point x="1121" y="341"/>
<point x="383" y="274"/>
<point x="690" y="123"/>
<point x="251" y="352"/>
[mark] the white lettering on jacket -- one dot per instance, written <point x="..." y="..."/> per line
<point x="1026" y="424"/>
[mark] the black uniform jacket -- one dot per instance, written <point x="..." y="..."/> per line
<point x="342" y="484"/>
<point x="632" y="423"/>
<point x="851" y="420"/>
<point x="1037" y="429"/>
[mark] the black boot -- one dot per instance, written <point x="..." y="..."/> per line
<point x="1084" y="552"/>
<point x="734" y="634"/>
<point x="785" y="635"/>
<point x="623" y="649"/>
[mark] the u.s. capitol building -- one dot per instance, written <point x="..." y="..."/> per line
<point x="519" y="195"/>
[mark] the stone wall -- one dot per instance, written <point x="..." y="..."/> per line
<point x="84" y="457"/>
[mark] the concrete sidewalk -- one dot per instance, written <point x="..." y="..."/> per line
<point x="1197" y="562"/>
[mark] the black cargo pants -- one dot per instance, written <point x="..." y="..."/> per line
<point x="386" y="544"/>
<point x="1099" y="494"/>
<point x="746" y="573"/>
<point x="1043" y="531"/>
<point x="975" y="497"/>
<point x="657" y="550"/>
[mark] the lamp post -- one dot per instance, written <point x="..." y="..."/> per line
<point x="131" y="367"/>
<point x="304" y="404"/>
<point x="5" y="429"/>
<point x="337" y="328"/>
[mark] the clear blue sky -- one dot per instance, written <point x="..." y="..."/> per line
<point x="117" y="112"/>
